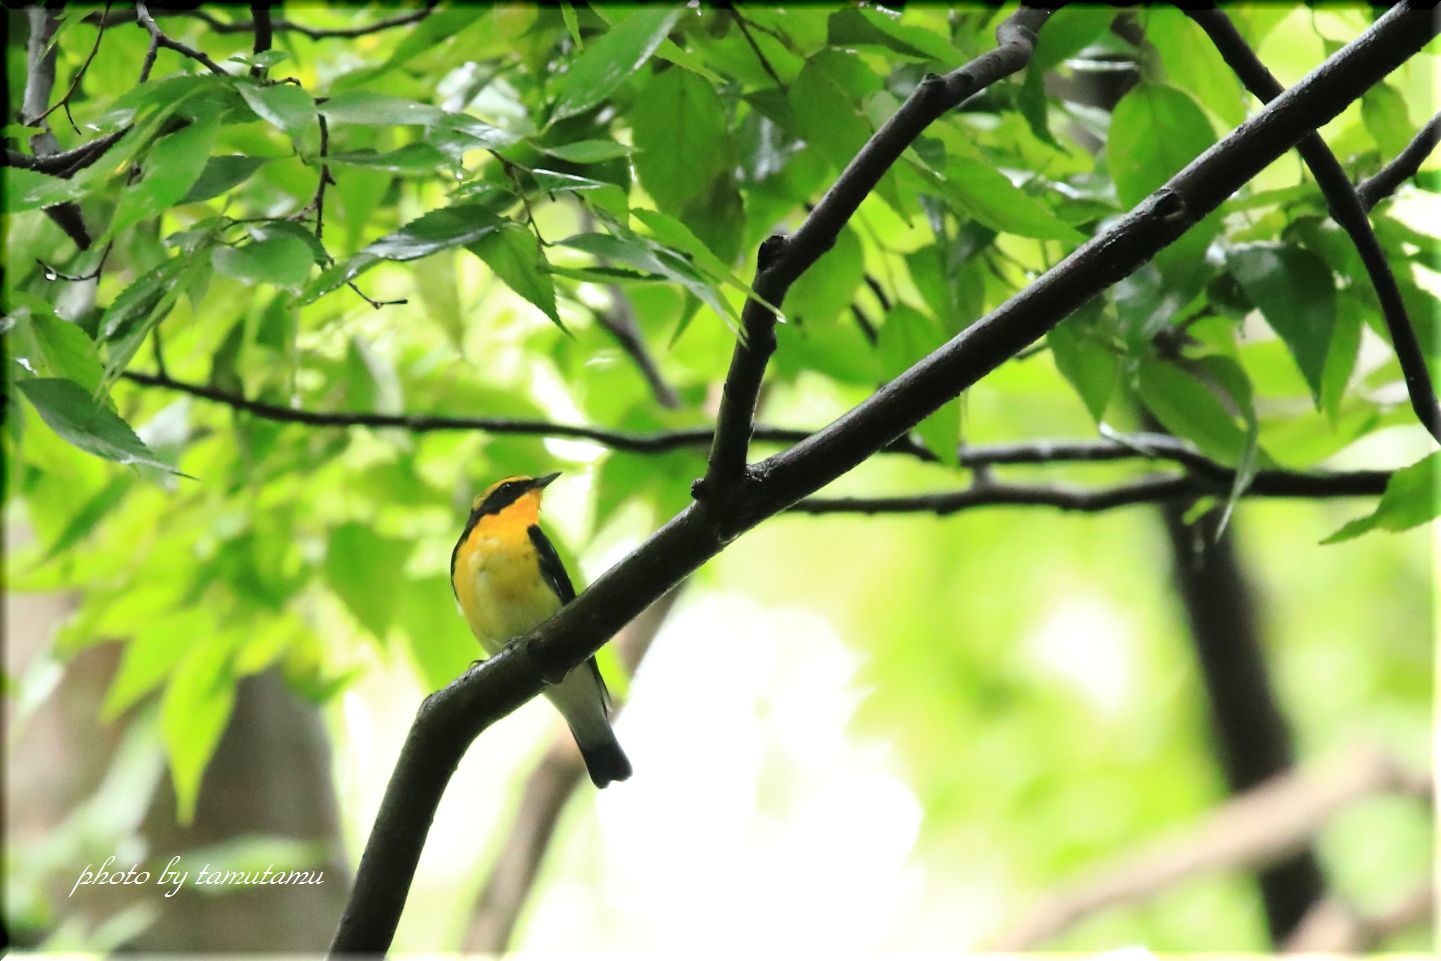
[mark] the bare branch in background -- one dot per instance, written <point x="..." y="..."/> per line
<point x="264" y="34"/>
<point x="1335" y="926"/>
<point x="1405" y="164"/>
<point x="1261" y="827"/>
<point x="543" y="799"/>
<point x="143" y="17"/>
<point x="280" y="25"/>
<point x="1346" y="209"/>
<point x="34" y="108"/>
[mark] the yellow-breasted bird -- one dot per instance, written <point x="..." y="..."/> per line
<point x="507" y="579"/>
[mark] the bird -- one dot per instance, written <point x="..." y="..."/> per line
<point x="508" y="579"/>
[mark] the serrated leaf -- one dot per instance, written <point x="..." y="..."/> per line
<point x="1084" y="359"/>
<point x="73" y="413"/>
<point x="514" y="254"/>
<point x="681" y="137"/>
<point x="438" y="230"/>
<point x="282" y="105"/>
<point x="588" y="151"/>
<point x="282" y="261"/>
<point x="222" y="174"/>
<point x="172" y="167"/>
<point x="1296" y="293"/>
<point x="607" y="62"/>
<point x="907" y="336"/>
<point x="197" y="704"/>
<point x="989" y="196"/>
<point x="1412" y="497"/>
<point x="64" y="350"/>
<point x="364" y="108"/>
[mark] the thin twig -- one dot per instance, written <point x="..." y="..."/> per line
<point x="75" y="80"/>
<point x="143" y="17"/>
<point x="1386" y="180"/>
<point x="755" y="48"/>
<point x="1038" y="452"/>
<point x="1159" y="489"/>
<point x="1346" y="209"/>
<point x="1334" y="926"/>
<point x="284" y="26"/>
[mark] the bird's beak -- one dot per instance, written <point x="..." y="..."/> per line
<point x="543" y="482"/>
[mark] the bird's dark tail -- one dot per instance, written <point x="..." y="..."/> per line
<point x="604" y="759"/>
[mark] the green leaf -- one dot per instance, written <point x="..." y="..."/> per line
<point x="220" y="175"/>
<point x="829" y="286"/>
<point x="1296" y="293"/>
<point x="1412" y="498"/>
<point x="858" y="25"/>
<point x="73" y="414"/>
<point x="826" y="116"/>
<point x="131" y="316"/>
<point x="1155" y="131"/>
<point x="989" y="196"/>
<point x="1341" y="356"/>
<point x="1383" y="111"/>
<point x="282" y="105"/>
<point x="440" y="643"/>
<point x="677" y="235"/>
<point x="416" y="157"/>
<point x="172" y="167"/>
<point x="282" y="261"/>
<point x="29" y="189"/>
<point x="63" y="350"/>
<point x="514" y="253"/>
<point x="364" y="570"/>
<point x="197" y="704"/>
<point x="438" y="230"/>
<point x="607" y="62"/>
<point x="363" y="108"/>
<point x="681" y="137"/>
<point x="1085" y="360"/>
<point x="1192" y="61"/>
<point x="151" y="655"/>
<point x="1188" y="408"/>
<point x="589" y="151"/>
<point x="1226" y="376"/>
<point x="907" y="336"/>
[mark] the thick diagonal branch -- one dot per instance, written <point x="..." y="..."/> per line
<point x="1346" y="209"/>
<point x="450" y="719"/>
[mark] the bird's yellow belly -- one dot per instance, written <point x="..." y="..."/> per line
<point x="502" y="594"/>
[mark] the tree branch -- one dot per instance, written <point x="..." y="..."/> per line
<point x="143" y="17"/>
<point x="1041" y="451"/>
<point x="39" y="83"/>
<point x="1346" y="209"/>
<point x="1375" y="189"/>
<point x="450" y="719"/>
<point x="542" y="801"/>
<point x="1334" y="926"/>
<point x="70" y="162"/>
<point x="282" y="25"/>
<point x="1261" y="827"/>
<point x="1250" y="735"/>
<point x="783" y="259"/>
<point x="1158" y="489"/>
<point x="264" y="32"/>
